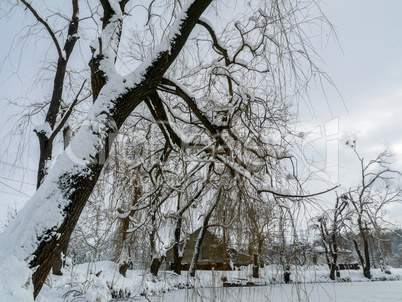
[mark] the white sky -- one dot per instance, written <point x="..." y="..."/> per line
<point x="366" y="67"/>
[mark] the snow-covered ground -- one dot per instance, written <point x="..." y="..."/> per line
<point x="377" y="291"/>
<point x="101" y="282"/>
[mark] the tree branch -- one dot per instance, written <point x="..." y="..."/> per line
<point x="67" y="114"/>
<point x="42" y="20"/>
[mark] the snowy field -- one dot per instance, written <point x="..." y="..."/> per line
<point x="101" y="282"/>
<point x="376" y="291"/>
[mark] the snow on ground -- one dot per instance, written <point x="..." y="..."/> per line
<point x="101" y="281"/>
<point x="376" y="291"/>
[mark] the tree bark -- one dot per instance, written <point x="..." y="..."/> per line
<point x="334" y="255"/>
<point x="256" y="265"/>
<point x="155" y="265"/>
<point x="365" y="258"/>
<point x="367" y="266"/>
<point x="334" y="267"/>
<point x="177" y="255"/>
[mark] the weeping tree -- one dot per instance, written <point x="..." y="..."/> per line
<point x="219" y="106"/>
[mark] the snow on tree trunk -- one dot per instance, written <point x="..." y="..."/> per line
<point x="60" y="262"/>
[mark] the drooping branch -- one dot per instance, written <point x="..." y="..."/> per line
<point x="223" y="51"/>
<point x="46" y="24"/>
<point x="269" y="190"/>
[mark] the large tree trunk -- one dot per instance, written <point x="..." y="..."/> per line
<point x="365" y="260"/>
<point x="257" y="258"/>
<point x="177" y="253"/>
<point x="367" y="266"/>
<point x="334" y="267"/>
<point x="155" y="265"/>
<point x="44" y="226"/>
<point x="256" y="265"/>
<point x="52" y="240"/>
<point x="334" y="261"/>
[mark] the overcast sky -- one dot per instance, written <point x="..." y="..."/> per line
<point x="365" y="64"/>
<point x="366" y="67"/>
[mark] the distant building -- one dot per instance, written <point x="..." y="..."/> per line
<point x="344" y="256"/>
<point x="213" y="254"/>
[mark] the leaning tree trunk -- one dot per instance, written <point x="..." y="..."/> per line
<point x="197" y="248"/>
<point x="44" y="226"/>
<point x="198" y="243"/>
<point x="177" y="250"/>
<point x="364" y="261"/>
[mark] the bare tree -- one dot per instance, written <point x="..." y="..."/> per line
<point x="59" y="108"/>
<point x="55" y="117"/>
<point x="376" y="190"/>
